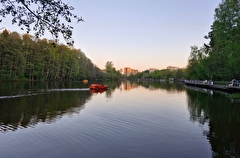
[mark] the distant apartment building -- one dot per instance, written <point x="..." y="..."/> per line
<point x="134" y="72"/>
<point x="152" y="70"/>
<point x="104" y="70"/>
<point x="128" y="71"/>
<point x="172" y="68"/>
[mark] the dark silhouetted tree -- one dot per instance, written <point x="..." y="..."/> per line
<point x="41" y="15"/>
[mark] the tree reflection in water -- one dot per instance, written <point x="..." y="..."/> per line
<point x="223" y="117"/>
<point x="36" y="104"/>
<point x="205" y="107"/>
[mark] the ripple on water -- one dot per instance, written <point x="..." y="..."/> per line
<point x="30" y="93"/>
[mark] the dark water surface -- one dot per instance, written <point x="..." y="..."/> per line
<point x="153" y="120"/>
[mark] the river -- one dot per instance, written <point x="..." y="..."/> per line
<point x="130" y="119"/>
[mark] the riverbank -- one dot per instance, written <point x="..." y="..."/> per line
<point x="209" y="85"/>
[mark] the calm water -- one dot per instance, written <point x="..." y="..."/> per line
<point x="153" y="120"/>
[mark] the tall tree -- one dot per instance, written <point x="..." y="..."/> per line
<point x="224" y="40"/>
<point x="222" y="54"/>
<point x="111" y="71"/>
<point x="195" y="67"/>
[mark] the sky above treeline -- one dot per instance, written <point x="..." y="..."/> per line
<point x="139" y="34"/>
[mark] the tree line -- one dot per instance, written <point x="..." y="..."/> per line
<point x="218" y="59"/>
<point x="25" y="57"/>
<point x="165" y="74"/>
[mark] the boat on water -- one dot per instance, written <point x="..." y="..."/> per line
<point x="97" y="87"/>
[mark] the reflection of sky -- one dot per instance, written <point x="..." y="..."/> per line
<point x="159" y="97"/>
<point x="135" y="122"/>
<point x="153" y="115"/>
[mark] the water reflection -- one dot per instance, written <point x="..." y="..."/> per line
<point x="112" y="86"/>
<point x="168" y="86"/>
<point x="47" y="102"/>
<point x="212" y="108"/>
<point x="223" y="118"/>
<point x="97" y="91"/>
<point x="128" y="85"/>
<point x="24" y="105"/>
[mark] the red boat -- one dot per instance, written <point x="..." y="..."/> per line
<point x="98" y="87"/>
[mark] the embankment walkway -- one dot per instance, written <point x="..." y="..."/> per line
<point x="208" y="85"/>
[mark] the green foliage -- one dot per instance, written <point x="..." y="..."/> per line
<point x="41" y="15"/>
<point x="111" y="72"/>
<point x="220" y="58"/>
<point x="159" y="74"/>
<point x="235" y="96"/>
<point x="30" y="59"/>
<point x="196" y="68"/>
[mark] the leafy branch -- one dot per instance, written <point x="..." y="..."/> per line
<point x="41" y="15"/>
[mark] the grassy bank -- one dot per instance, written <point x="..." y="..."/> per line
<point x="235" y="96"/>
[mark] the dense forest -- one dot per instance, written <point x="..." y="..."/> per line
<point x="220" y="58"/>
<point x="25" y="57"/>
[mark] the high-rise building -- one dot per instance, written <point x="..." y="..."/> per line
<point x="152" y="70"/>
<point x="128" y="71"/>
<point x="172" y="68"/>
